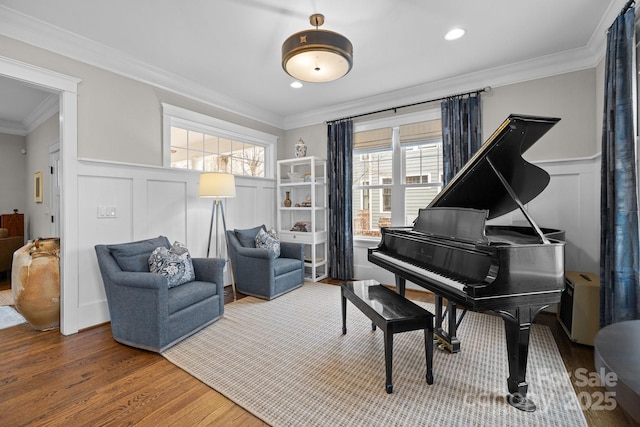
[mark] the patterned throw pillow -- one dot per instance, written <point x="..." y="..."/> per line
<point x="269" y="240"/>
<point x="173" y="263"/>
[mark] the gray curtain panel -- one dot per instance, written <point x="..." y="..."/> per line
<point x="461" y="132"/>
<point x="340" y="176"/>
<point x="619" y="278"/>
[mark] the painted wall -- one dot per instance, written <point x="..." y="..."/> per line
<point x="119" y="119"/>
<point x="574" y="97"/>
<point x="569" y="152"/>
<point x="153" y="201"/>
<point x="315" y="138"/>
<point x="38" y="142"/>
<point x="12" y="166"/>
<point x="571" y="97"/>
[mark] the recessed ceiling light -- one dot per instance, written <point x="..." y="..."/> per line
<point x="454" y="34"/>
<point x="296" y="85"/>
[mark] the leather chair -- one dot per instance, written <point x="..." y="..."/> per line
<point x="257" y="272"/>
<point x="145" y="312"/>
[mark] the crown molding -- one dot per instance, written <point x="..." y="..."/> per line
<point x="550" y="65"/>
<point x="12" y="128"/>
<point x="43" y="35"/>
<point x="563" y="62"/>
<point x="29" y="30"/>
<point x="46" y="109"/>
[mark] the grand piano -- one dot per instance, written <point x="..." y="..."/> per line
<point x="513" y="271"/>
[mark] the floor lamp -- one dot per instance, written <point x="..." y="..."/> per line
<point x="218" y="186"/>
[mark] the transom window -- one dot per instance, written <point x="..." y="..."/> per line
<point x="198" y="142"/>
<point x="397" y="170"/>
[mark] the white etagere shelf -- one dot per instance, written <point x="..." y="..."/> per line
<point x="303" y="180"/>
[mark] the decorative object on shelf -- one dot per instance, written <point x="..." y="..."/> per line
<point x="300" y="149"/>
<point x="301" y="226"/>
<point x="295" y="176"/>
<point x="307" y="222"/>
<point x="287" y="200"/>
<point x="35" y="283"/>
<point x="317" y="55"/>
<point x="218" y="186"/>
<point x="307" y="202"/>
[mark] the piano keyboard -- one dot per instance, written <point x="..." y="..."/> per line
<point x="422" y="271"/>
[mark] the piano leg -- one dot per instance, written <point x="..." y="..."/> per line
<point x="448" y="339"/>
<point x="401" y="285"/>
<point x="517" y="324"/>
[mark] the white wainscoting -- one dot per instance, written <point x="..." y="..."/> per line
<point x="571" y="202"/>
<point x="149" y="202"/>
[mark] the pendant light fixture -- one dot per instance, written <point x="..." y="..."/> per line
<point x="315" y="55"/>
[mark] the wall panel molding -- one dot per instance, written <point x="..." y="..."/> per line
<point x="570" y="202"/>
<point x="152" y="201"/>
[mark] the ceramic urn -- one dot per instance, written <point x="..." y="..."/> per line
<point x="35" y="283"/>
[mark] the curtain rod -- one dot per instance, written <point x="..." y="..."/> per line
<point x="627" y="6"/>
<point x="477" y="91"/>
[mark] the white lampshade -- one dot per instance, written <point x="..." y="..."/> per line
<point x="218" y="185"/>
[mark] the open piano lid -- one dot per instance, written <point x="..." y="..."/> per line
<point x="478" y="186"/>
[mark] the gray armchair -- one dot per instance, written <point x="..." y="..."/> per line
<point x="255" y="270"/>
<point x="144" y="311"/>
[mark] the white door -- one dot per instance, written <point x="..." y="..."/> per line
<point x="54" y="167"/>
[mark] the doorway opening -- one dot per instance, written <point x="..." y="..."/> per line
<point x="66" y="87"/>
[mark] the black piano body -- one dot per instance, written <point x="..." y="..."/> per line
<point x="514" y="271"/>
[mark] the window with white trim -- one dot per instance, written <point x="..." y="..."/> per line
<point x="195" y="141"/>
<point x="397" y="170"/>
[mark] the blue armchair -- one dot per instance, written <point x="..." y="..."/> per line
<point x="144" y="311"/>
<point x="257" y="272"/>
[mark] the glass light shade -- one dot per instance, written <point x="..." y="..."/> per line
<point x="218" y="185"/>
<point x="317" y="56"/>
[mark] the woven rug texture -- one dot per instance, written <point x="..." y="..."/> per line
<point x="10" y="317"/>
<point x="287" y="362"/>
<point x="6" y="297"/>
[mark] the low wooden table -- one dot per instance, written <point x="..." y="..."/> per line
<point x="392" y="313"/>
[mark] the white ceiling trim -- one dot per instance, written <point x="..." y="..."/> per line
<point x="43" y="35"/>
<point x="29" y="30"/>
<point x="12" y="128"/>
<point x="565" y="62"/>
<point x="46" y="109"/>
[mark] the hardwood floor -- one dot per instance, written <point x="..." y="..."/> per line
<point x="87" y="379"/>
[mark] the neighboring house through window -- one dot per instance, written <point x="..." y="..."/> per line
<point x="397" y="170"/>
<point x="198" y="142"/>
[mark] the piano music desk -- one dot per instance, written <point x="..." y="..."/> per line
<point x="392" y="313"/>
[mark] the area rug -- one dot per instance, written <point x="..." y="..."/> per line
<point x="6" y="297"/>
<point x="287" y="362"/>
<point x="10" y="317"/>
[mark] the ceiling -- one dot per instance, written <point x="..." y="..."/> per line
<point x="228" y="52"/>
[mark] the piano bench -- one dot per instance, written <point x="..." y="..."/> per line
<point x="392" y="313"/>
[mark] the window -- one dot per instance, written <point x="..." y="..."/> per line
<point x="386" y="196"/>
<point x="198" y="142"/>
<point x="397" y="170"/>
